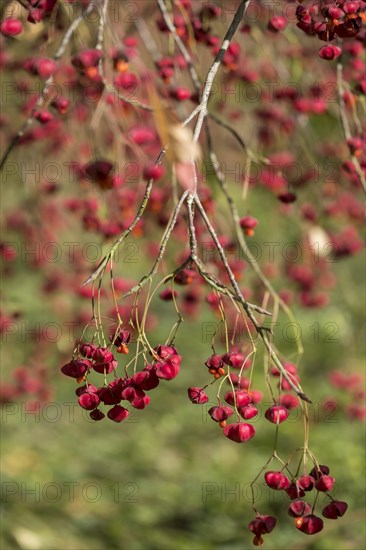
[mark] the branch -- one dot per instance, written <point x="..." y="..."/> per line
<point x="261" y="330"/>
<point x="101" y="27"/>
<point x="127" y="231"/>
<point x="241" y="239"/>
<point x="164" y="241"/>
<point x="201" y="110"/>
<point x="230" y="129"/>
<point x="213" y="281"/>
<point x="225" y="262"/>
<point x="193" y="71"/>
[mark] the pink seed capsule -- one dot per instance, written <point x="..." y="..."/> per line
<point x="276" y="414"/>
<point x="239" y="432"/>
<point x="11" y="27"/>
<point x="330" y="52"/>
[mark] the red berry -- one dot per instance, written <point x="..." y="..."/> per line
<point x="181" y="94"/>
<point x="109" y="395"/>
<point x="355" y="145"/>
<point x="85" y="389"/>
<point x="44" y="67"/>
<point x="299" y="508"/>
<point x="276" y="414"/>
<point x="350" y="7"/>
<point x="97" y="415"/>
<point x="118" y="413"/>
<point x="88" y="401"/>
<point x="153" y="172"/>
<point x="277" y="23"/>
<point x="43" y="116"/>
<point x="294" y="492"/>
<point x="317" y="472"/>
<point x="141" y="402"/>
<point x="248" y="411"/>
<point x="76" y="368"/>
<point x="248" y="224"/>
<point x="243" y="383"/>
<point x="11" y="27"/>
<point x="335" y="509"/>
<point x="325" y="483"/>
<point x="165" y="352"/>
<point x="239" y="432"/>
<point x="334" y="12"/>
<point x="87" y="350"/>
<point x="197" y="396"/>
<point x="287" y="197"/>
<point x="167" y="294"/>
<point x="289" y="367"/>
<point x="310" y="525"/>
<point x="130" y="392"/>
<point x="120" y="337"/>
<point x="277" y="480"/>
<point x="104" y="361"/>
<point x="330" y="52"/>
<point x="262" y="525"/>
<point x="126" y="81"/>
<point x="256" y="396"/>
<point x="169" y="369"/>
<point x="234" y="359"/>
<point x="220" y="413"/>
<point x="141" y="135"/>
<point x="306" y="483"/>
<point x="146" y="379"/>
<point x="214" y="362"/>
<point x="240" y="398"/>
<point x="61" y="104"/>
<point x="289" y="401"/>
<point x="86" y="58"/>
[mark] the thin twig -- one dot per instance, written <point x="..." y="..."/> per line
<point x="261" y="330"/>
<point x="230" y="129"/>
<point x="164" y="241"/>
<point x="202" y="107"/>
<point x="127" y="231"/>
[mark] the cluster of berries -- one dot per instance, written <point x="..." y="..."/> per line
<point x="130" y="389"/>
<point x="329" y="20"/>
<point x="37" y="10"/>
<point x="306" y="521"/>
<point x="242" y="400"/>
